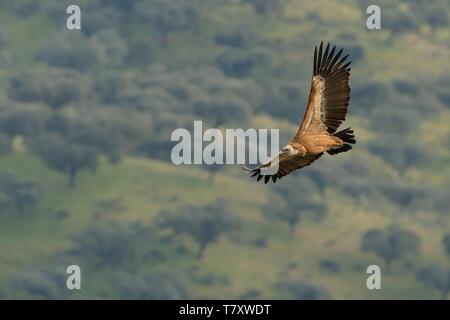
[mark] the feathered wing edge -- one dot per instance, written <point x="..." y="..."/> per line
<point x="335" y="95"/>
<point x="284" y="167"/>
<point x="258" y="170"/>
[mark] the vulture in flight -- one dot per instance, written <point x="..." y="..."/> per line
<point x="327" y="107"/>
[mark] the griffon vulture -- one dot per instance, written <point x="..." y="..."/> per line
<point x="327" y="107"/>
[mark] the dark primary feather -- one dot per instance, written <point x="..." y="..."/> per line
<point x="285" y="167"/>
<point x="336" y="91"/>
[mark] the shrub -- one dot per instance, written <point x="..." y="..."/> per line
<point x="18" y="196"/>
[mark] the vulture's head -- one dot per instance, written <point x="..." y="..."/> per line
<point x="289" y="150"/>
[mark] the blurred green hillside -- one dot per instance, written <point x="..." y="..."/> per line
<point x="85" y="171"/>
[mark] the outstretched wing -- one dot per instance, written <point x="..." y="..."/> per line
<point x="286" y="164"/>
<point x="330" y="92"/>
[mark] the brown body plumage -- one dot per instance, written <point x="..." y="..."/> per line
<point x="326" y="110"/>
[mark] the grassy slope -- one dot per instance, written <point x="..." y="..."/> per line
<point x="146" y="186"/>
<point x="150" y="185"/>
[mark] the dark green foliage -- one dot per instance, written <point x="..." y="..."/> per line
<point x="235" y="63"/>
<point x="24" y="8"/>
<point x="389" y="121"/>
<point x="168" y="16"/>
<point x="56" y="87"/>
<point x="251" y="294"/>
<point x="43" y="283"/>
<point x="401" y="155"/>
<point x="96" y="17"/>
<point x="157" y="145"/>
<point x="71" y="50"/>
<point x="284" y="99"/>
<point x="236" y="39"/>
<point x="105" y="246"/>
<point x="119" y="5"/>
<point x="222" y="109"/>
<point x="18" y="196"/>
<point x="390" y="244"/>
<point x="441" y="87"/>
<point x="436" y="278"/>
<point x="22" y="120"/>
<point x="68" y="158"/>
<point x="265" y="7"/>
<point x="120" y="245"/>
<point x="396" y="130"/>
<point x="405" y="87"/>
<point x="329" y="266"/>
<point x="203" y="224"/>
<point x="404" y="195"/>
<point x="108" y="86"/>
<point x="350" y="169"/>
<point x="356" y="53"/>
<point x="361" y="180"/>
<point x="196" y="93"/>
<point x="398" y="20"/>
<point x="153" y="285"/>
<point x="435" y="15"/>
<point x="112" y="48"/>
<point x="5" y="144"/>
<point x="71" y="144"/>
<point x="439" y="201"/>
<point x="411" y="14"/>
<point x="446" y="243"/>
<point x="302" y="290"/>
<point x="106" y="132"/>
<point x="367" y="96"/>
<point x="445" y="99"/>
<point x="141" y="51"/>
<point x="156" y="149"/>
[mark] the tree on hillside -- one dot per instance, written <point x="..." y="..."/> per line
<point x="235" y="63"/>
<point x="399" y="20"/>
<point x="302" y="290"/>
<point x="221" y="108"/>
<point x="71" y="50"/>
<point x="37" y="283"/>
<point x="55" y="87"/>
<point x="168" y="16"/>
<point x="435" y="14"/>
<point x="22" y="121"/>
<point x="97" y="135"/>
<point x="437" y="278"/>
<point x="446" y="243"/>
<point x="265" y="7"/>
<point x="119" y="245"/>
<point x="236" y="39"/>
<point x="5" y="144"/>
<point x="17" y="196"/>
<point x="203" y="224"/>
<point x="286" y="96"/>
<point x="121" y="5"/>
<point x="63" y="156"/>
<point x="153" y="285"/>
<point x="390" y="244"/>
<point x="109" y="131"/>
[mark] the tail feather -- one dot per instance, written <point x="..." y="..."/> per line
<point x="348" y="137"/>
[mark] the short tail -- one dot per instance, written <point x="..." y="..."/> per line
<point x="348" y="137"/>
